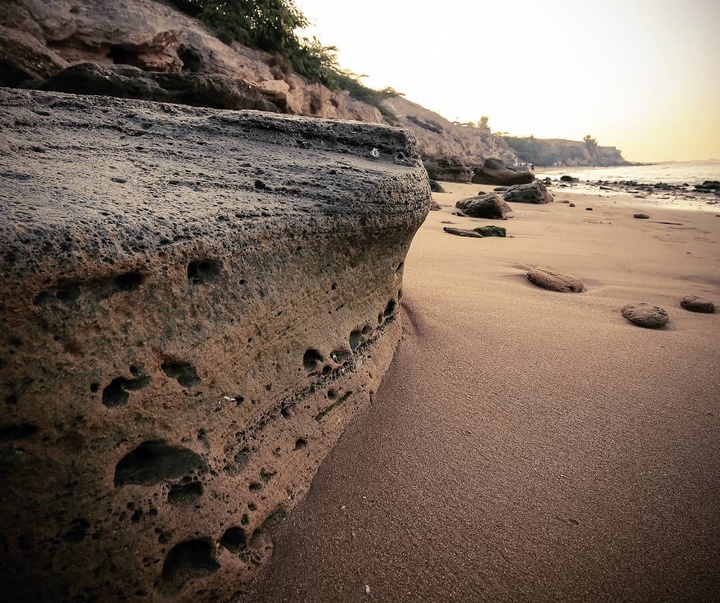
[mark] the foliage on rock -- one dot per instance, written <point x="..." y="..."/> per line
<point x="270" y="25"/>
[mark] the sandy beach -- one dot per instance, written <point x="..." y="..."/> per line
<point x="528" y="445"/>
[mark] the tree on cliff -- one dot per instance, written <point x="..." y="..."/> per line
<point x="591" y="145"/>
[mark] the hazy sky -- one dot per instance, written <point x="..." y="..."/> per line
<point x="641" y="75"/>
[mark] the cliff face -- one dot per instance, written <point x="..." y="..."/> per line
<point x="39" y="39"/>
<point x="193" y="304"/>
<point x="555" y="151"/>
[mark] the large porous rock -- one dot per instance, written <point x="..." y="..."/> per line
<point x="126" y="81"/>
<point x="448" y="169"/>
<point x="495" y="171"/>
<point x="535" y="192"/>
<point x="194" y="303"/>
<point x="489" y="206"/>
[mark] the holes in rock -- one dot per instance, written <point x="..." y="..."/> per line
<point x="356" y="339"/>
<point x="94" y="388"/>
<point x="77" y="532"/>
<point x="300" y="443"/>
<point x="11" y="399"/>
<point x="332" y="394"/>
<point x="183" y="372"/>
<point x="242" y="458"/>
<point x="129" y="281"/>
<point x="255" y="487"/>
<point x="259" y="184"/>
<point x="367" y="330"/>
<point x="185" y="493"/>
<point x="400" y="266"/>
<point x="121" y="55"/>
<point x="327" y="369"/>
<point x="204" y="271"/>
<point x="17" y="432"/>
<point x="285" y="412"/>
<point x="311" y="359"/>
<point x="252" y="506"/>
<point x="390" y="308"/>
<point x="136" y="516"/>
<point x="116" y="394"/>
<point x="341" y="356"/>
<point x="155" y="461"/>
<point x="68" y="293"/>
<point x="188" y="560"/>
<point x="190" y="58"/>
<point x="266" y="475"/>
<point x="234" y="539"/>
<point x="245" y="520"/>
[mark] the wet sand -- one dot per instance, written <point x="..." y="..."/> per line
<point x="528" y="445"/>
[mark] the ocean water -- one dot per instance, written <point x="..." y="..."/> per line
<point x="691" y="172"/>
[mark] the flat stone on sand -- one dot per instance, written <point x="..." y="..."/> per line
<point x="641" y="216"/>
<point x="645" y="315"/>
<point x="491" y="231"/>
<point x="462" y="232"/>
<point x="554" y="281"/>
<point x="697" y="304"/>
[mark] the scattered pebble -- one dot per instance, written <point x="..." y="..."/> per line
<point x="435" y="206"/>
<point x="589" y="208"/>
<point x="697" y="304"/>
<point x="571" y="205"/>
<point x="645" y="315"/>
<point x="119" y="180"/>
<point x="554" y="281"/>
<point x="641" y="216"/>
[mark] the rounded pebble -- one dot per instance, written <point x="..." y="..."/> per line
<point x="554" y="281"/>
<point x="645" y="315"/>
<point x="697" y="304"/>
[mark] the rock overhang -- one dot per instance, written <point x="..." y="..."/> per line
<point x="203" y="297"/>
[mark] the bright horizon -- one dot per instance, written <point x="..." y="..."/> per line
<point x="640" y="75"/>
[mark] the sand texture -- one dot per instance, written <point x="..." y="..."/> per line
<point x="529" y="445"/>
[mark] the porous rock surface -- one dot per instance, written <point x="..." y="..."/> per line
<point x="645" y="315"/>
<point x="193" y="304"/>
<point x="697" y="304"/>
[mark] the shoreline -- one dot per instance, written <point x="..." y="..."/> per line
<point x="527" y="444"/>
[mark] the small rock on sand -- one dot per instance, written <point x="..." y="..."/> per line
<point x="461" y="232"/>
<point x="491" y="231"/>
<point x="488" y="206"/>
<point x="589" y="208"/>
<point x="697" y="304"/>
<point x="554" y="281"/>
<point x="435" y="206"/>
<point x="571" y="205"/>
<point x="641" y="216"/>
<point x="645" y="315"/>
<point x="436" y="187"/>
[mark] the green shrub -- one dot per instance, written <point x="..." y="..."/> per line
<point x="270" y="25"/>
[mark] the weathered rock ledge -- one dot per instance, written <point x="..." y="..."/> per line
<point x="193" y="304"/>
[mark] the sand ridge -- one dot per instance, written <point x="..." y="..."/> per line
<point x="528" y="445"/>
